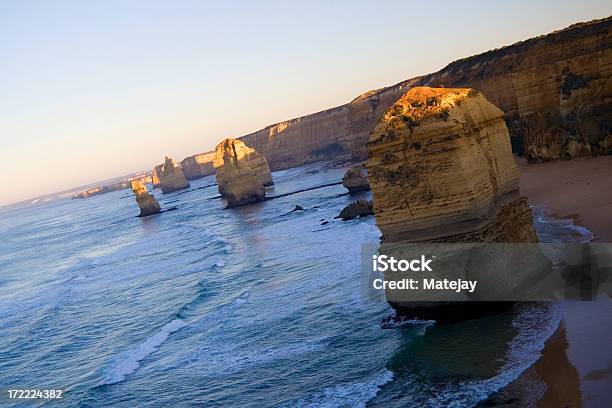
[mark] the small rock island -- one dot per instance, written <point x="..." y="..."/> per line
<point x="146" y="202"/>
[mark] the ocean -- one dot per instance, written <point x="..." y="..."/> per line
<point x="254" y="306"/>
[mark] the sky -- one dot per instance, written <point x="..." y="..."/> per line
<point x="91" y="90"/>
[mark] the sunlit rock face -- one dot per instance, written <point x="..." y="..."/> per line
<point x="171" y="177"/>
<point x="355" y="181"/>
<point x="155" y="174"/>
<point x="146" y="202"/>
<point x="198" y="165"/>
<point x="239" y="173"/>
<point x="555" y="90"/>
<point x="441" y="170"/>
<point x="440" y="166"/>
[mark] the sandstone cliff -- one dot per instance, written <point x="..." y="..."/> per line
<point x="171" y="177"/>
<point x="555" y="90"/>
<point x="146" y="202"/>
<point x="441" y="170"/>
<point x="239" y="173"/>
<point x="198" y="166"/>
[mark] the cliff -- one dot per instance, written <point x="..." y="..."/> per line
<point x="198" y="166"/>
<point x="555" y="91"/>
<point x="240" y="173"/>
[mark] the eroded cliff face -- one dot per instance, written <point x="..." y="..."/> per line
<point x="441" y="168"/>
<point x="198" y="166"/>
<point x="171" y="177"/>
<point x="555" y="90"/>
<point x="240" y="173"/>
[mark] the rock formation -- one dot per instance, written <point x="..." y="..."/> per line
<point x="199" y="165"/>
<point x="171" y="177"/>
<point x="360" y="208"/>
<point x="239" y="183"/>
<point x="244" y="153"/>
<point x="441" y="171"/>
<point x="155" y="175"/>
<point x="355" y="181"/>
<point x="146" y="202"/>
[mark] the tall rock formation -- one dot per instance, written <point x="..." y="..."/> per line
<point x="240" y="173"/>
<point x="171" y="177"/>
<point x="441" y="170"/>
<point x="146" y="202"/>
<point x="155" y="175"/>
<point x="198" y="166"/>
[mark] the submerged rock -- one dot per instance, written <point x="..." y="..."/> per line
<point x="146" y="202"/>
<point x="238" y="182"/>
<point x="441" y="170"/>
<point x="355" y="181"/>
<point x="171" y="177"/>
<point x="360" y="208"/>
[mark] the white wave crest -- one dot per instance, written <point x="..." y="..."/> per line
<point x="131" y="361"/>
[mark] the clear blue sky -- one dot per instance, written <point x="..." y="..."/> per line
<point x="92" y="90"/>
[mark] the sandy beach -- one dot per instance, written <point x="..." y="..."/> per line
<point x="576" y="363"/>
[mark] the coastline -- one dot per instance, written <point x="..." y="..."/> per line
<point x="575" y="368"/>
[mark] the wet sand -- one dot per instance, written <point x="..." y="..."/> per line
<point x="580" y="189"/>
<point x="575" y="369"/>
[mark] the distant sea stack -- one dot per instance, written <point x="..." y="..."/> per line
<point x="198" y="166"/>
<point x="146" y="202"/>
<point x="355" y="181"/>
<point x="240" y="173"/>
<point x="155" y="174"/>
<point x="171" y="177"/>
<point x="441" y="170"/>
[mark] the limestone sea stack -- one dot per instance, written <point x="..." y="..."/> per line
<point x="239" y="179"/>
<point x="146" y="202"/>
<point x="441" y="170"/>
<point x="355" y="181"/>
<point x="171" y="177"/>
<point x="155" y="174"/>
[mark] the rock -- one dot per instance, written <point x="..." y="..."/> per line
<point x="324" y="222"/>
<point x="146" y="202"/>
<point x="198" y="166"/>
<point x="238" y="182"/>
<point x="360" y="208"/>
<point x="171" y="177"/>
<point x="298" y="208"/>
<point x="441" y="171"/>
<point x="245" y="154"/>
<point x="155" y="174"/>
<point x="355" y="181"/>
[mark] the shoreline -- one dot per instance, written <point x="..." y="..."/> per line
<point x="575" y="367"/>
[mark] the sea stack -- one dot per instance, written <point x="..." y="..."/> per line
<point x="155" y="175"/>
<point x="146" y="202"/>
<point x="441" y="170"/>
<point x="355" y="181"/>
<point x="241" y="173"/>
<point x="171" y="177"/>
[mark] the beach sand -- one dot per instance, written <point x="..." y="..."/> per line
<point x="575" y="369"/>
<point x="580" y="189"/>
